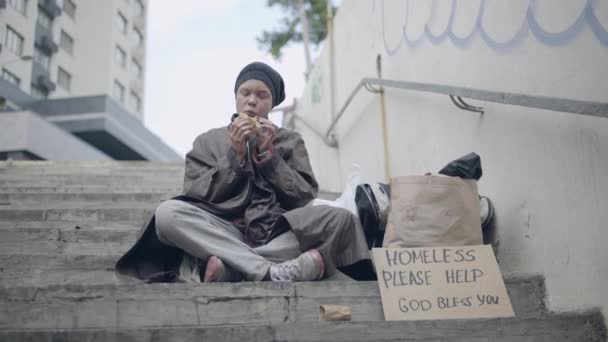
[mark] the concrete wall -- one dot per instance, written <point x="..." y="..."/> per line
<point x="127" y="76"/>
<point x="27" y="132"/>
<point x="543" y="170"/>
<point x="93" y="48"/>
<point x="101" y="118"/>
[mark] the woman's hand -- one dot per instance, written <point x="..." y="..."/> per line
<point x="265" y="135"/>
<point x="240" y="131"/>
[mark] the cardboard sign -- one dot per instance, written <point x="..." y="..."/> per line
<point x="441" y="283"/>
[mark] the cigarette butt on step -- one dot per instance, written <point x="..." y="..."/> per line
<point x="335" y="313"/>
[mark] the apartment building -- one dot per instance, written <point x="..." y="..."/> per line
<point x="76" y="62"/>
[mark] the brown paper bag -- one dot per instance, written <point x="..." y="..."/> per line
<point x="429" y="211"/>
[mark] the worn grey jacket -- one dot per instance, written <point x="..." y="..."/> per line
<point x="258" y="199"/>
<point x="258" y="195"/>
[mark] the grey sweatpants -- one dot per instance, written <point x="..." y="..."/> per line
<point x="202" y="234"/>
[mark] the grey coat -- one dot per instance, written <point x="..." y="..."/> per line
<point x="264" y="201"/>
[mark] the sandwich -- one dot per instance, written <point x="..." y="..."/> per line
<point x="253" y="120"/>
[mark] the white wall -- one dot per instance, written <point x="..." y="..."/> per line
<point x="91" y="65"/>
<point x="315" y="110"/>
<point x="93" y="48"/>
<point x="127" y="76"/>
<point x="545" y="171"/>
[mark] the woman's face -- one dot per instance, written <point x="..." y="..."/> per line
<point x="254" y="98"/>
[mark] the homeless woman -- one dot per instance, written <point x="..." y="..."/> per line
<point x="242" y="215"/>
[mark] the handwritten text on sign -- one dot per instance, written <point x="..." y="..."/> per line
<point x="441" y="283"/>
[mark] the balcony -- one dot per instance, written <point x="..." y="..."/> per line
<point x="50" y="7"/>
<point x="44" y="82"/>
<point x="41" y="78"/>
<point x="46" y="44"/>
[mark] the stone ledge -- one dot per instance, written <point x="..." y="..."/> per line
<point x="554" y="328"/>
<point x="79" y="306"/>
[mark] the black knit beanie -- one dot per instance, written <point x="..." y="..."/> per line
<point x="262" y="72"/>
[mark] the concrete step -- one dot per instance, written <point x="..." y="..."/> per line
<point x="178" y="172"/>
<point x="58" y="172"/>
<point x="43" y="270"/>
<point x="43" y="168"/>
<point x="15" y="198"/>
<point x="99" y="189"/>
<point x="48" y="270"/>
<point x="45" y="241"/>
<point x="554" y="328"/>
<point x="65" y="269"/>
<point x="100" y="166"/>
<point x="101" y="214"/>
<point x="79" y="212"/>
<point x="64" y="225"/>
<point x="67" y="225"/>
<point x="92" y="172"/>
<point x="96" y="306"/>
<point x="24" y="198"/>
<point x="66" y="205"/>
<point x="84" y="180"/>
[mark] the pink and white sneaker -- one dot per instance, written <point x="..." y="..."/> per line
<point x="308" y="266"/>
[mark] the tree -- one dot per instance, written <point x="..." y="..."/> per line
<point x="290" y="25"/>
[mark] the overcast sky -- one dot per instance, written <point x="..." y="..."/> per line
<point x="195" y="50"/>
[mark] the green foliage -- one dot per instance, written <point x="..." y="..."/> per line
<point x="290" y="29"/>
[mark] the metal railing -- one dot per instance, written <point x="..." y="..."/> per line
<point x="291" y="111"/>
<point x="456" y="94"/>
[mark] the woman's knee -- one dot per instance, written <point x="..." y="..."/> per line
<point x="341" y="218"/>
<point x="165" y="215"/>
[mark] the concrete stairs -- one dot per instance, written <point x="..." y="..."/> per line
<point x="63" y="226"/>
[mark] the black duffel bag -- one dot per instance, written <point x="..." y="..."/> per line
<point x="372" y="202"/>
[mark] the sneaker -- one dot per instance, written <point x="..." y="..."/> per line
<point x="307" y="267"/>
<point x="216" y="271"/>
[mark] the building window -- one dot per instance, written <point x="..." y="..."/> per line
<point x="42" y="58"/>
<point x="19" y="5"/>
<point x="119" y="91"/>
<point x="66" y="42"/>
<point x="64" y="79"/>
<point x="138" y="37"/>
<point x="139" y="72"/>
<point x="7" y="75"/>
<point x="39" y="94"/>
<point x="120" y="57"/>
<point x="14" y="41"/>
<point x="69" y="8"/>
<point x="44" y="20"/>
<point x="139" y="8"/>
<point x="135" y="101"/>
<point x="121" y="22"/>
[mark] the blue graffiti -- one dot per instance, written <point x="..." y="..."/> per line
<point x="530" y="25"/>
<point x="505" y="46"/>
